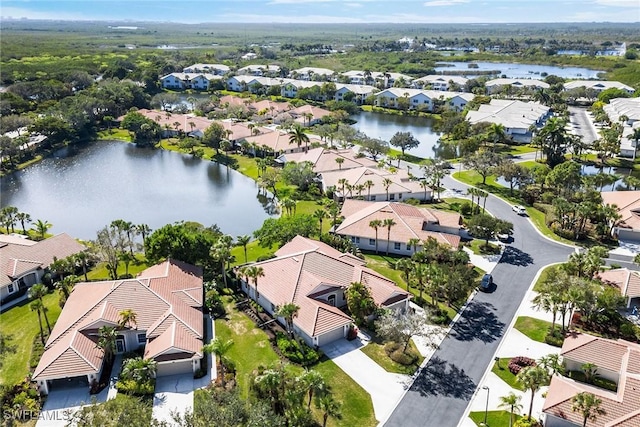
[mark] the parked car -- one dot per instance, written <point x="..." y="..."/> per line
<point x="486" y="282"/>
<point x="520" y="210"/>
<point x="504" y="237"/>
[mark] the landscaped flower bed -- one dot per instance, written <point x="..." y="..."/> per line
<point x="517" y="363"/>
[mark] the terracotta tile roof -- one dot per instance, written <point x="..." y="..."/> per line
<point x="20" y="256"/>
<point x="411" y="222"/>
<point x="275" y="140"/>
<point x="628" y="203"/>
<point x="175" y="339"/>
<point x="157" y="297"/>
<point x="316" y="112"/>
<point x="628" y="281"/>
<point x="271" y="106"/>
<point x="77" y="355"/>
<point x="324" y="160"/>
<point x="623" y="357"/>
<point x="305" y="269"/>
<point x="586" y="348"/>
<point x="400" y="181"/>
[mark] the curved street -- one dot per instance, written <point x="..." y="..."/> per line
<point x="443" y="388"/>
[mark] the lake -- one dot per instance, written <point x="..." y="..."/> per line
<point x="80" y="191"/>
<point x="517" y="71"/>
<point x="384" y="126"/>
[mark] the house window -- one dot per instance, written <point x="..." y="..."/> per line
<point x="11" y="288"/>
<point x="392" y="196"/>
<point x="396" y="246"/>
<point x="332" y="300"/>
<point x="142" y="338"/>
<point x="372" y="242"/>
<point x="373" y="198"/>
<point x="355" y="239"/>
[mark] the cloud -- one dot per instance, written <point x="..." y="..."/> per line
<point x="282" y="19"/>
<point x="353" y="5"/>
<point x="618" y="3"/>
<point x="299" y="1"/>
<point x="434" y="3"/>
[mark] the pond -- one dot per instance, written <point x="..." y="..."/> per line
<point x="516" y="71"/>
<point x="384" y="126"/>
<point x="589" y="170"/>
<point x="80" y="191"/>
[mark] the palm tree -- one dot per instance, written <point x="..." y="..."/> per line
<point x="368" y="184"/>
<point x="221" y="252"/>
<point x="425" y="185"/>
<point x="38" y="308"/>
<point x="496" y="133"/>
<point x="65" y="286"/>
<point x="339" y="161"/>
<point x="343" y="182"/>
<point x="41" y="227"/>
<point x="314" y="383"/>
<point x="127" y="318"/>
<point x="329" y="408"/>
<point x="254" y="272"/>
<point x="405" y="265"/>
<point x="532" y="378"/>
<point x="588" y="405"/>
<point x="140" y="370"/>
<point x="38" y="291"/>
<point x="144" y="231"/>
<point x="635" y="136"/>
<point x="23" y="217"/>
<point x="512" y="402"/>
<point x="386" y="183"/>
<point x="375" y="224"/>
<point x="82" y="258"/>
<point x="388" y="222"/>
<point x="107" y="336"/>
<point x="320" y="215"/>
<point x="413" y="243"/>
<point x="590" y="371"/>
<point x="243" y="241"/>
<point x="219" y="348"/>
<point x="297" y="136"/>
<point x="288" y="311"/>
<point x="420" y="273"/>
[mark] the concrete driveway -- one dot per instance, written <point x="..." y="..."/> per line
<point x="173" y="393"/>
<point x="385" y="388"/>
<point x="63" y="402"/>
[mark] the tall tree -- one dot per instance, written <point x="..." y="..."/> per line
<point x="128" y="317"/>
<point x="298" y="136"/>
<point x="533" y="378"/>
<point x="554" y="139"/>
<point x="288" y="311"/>
<point x="41" y="227"/>
<point x="38" y="307"/>
<point x="314" y="383"/>
<point x="404" y="141"/>
<point x="37" y="292"/>
<point x="243" y="241"/>
<point x="388" y="222"/>
<point x="512" y="402"/>
<point x="23" y="218"/>
<point x="107" y="336"/>
<point x="360" y="301"/>
<point x="219" y="348"/>
<point x="375" y="224"/>
<point x="213" y="136"/>
<point x="329" y="408"/>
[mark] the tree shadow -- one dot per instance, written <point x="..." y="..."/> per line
<point x="478" y="322"/>
<point x="440" y="378"/>
<point x="515" y="256"/>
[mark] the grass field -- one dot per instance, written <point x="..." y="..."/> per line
<point x="544" y="276"/>
<point x="20" y="325"/>
<point x="99" y="272"/>
<point x="375" y="350"/>
<point x="535" y="329"/>
<point x="252" y="349"/>
<point x="501" y="370"/>
<point x="494" y="418"/>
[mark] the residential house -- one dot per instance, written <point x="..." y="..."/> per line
<point x="358" y="77"/>
<point x="327" y="160"/>
<point x="384" y="185"/>
<point x="459" y="101"/>
<point x="314" y="276"/>
<point x="249" y="56"/>
<point x="411" y="222"/>
<point x="517" y="117"/>
<point x="628" y="144"/>
<point x="416" y="98"/>
<point x="173" y="123"/>
<point x="260" y="70"/>
<point x="440" y="82"/>
<point x="308" y="115"/>
<point x="353" y="92"/>
<point x="514" y="85"/>
<point x="312" y="73"/>
<point x="385" y="80"/>
<point x="24" y="261"/>
<point x="290" y="87"/>
<point x="217" y="69"/>
<point x="196" y="81"/>
<point x="169" y="326"/>
<point x="618" y="361"/>
<point x="627" y="107"/>
<point x="277" y="142"/>
<point x="598" y="85"/>
<point x="628" y="205"/>
<point x="627" y="281"/>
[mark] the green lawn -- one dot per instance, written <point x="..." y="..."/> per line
<point x="20" y="325"/>
<point x="252" y="348"/>
<point x="504" y="373"/>
<point x="547" y="272"/>
<point x="117" y="134"/>
<point x="99" y="272"/>
<point x="375" y="351"/>
<point x="535" y="329"/>
<point x="478" y="247"/>
<point x="494" y="418"/>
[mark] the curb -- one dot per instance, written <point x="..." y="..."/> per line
<point x="511" y="325"/>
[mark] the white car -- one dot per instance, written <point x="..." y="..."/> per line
<point x="520" y="210"/>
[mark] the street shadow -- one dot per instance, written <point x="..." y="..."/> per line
<point x="515" y="256"/>
<point x="478" y="322"/>
<point x="440" y="378"/>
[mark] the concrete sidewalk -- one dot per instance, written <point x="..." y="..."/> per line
<point x="385" y="388"/>
<point x="174" y="393"/>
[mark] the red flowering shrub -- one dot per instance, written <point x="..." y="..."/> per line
<point x="517" y="363"/>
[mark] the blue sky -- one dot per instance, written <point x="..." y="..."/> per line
<point x="328" y="11"/>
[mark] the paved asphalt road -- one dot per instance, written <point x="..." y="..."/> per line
<point x="443" y="389"/>
<point x="582" y="125"/>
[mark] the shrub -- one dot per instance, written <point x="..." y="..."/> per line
<point x="554" y="338"/>
<point x="465" y="208"/>
<point x="21" y="399"/>
<point x="404" y="358"/>
<point x="390" y="347"/>
<point x="295" y="351"/>
<point x="412" y="201"/>
<point x="37" y="350"/>
<point x="266" y="257"/>
<point x="132" y="387"/>
<point x="439" y="316"/>
<point x="517" y="363"/>
<point x="526" y="422"/>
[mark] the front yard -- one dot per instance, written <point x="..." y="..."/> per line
<point x="376" y="351"/>
<point x="252" y="349"/>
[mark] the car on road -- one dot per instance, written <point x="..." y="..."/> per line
<point x="520" y="210"/>
<point x="504" y="237"/>
<point x="486" y="282"/>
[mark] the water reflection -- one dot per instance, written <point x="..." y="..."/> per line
<point x="82" y="189"/>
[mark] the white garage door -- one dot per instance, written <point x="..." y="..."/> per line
<point x="175" y="368"/>
<point x="331" y="336"/>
